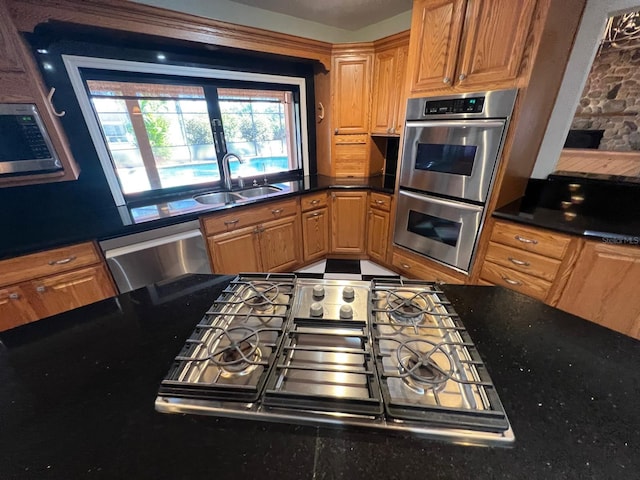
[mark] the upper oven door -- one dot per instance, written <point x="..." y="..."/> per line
<point x="451" y="157"/>
<point x="444" y="230"/>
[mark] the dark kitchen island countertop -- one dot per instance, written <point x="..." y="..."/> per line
<point x="78" y="391"/>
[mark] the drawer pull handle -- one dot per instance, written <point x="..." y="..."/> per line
<point x="380" y="202"/>
<point x="14" y="296"/>
<point x="522" y="263"/>
<point x="277" y="211"/>
<point x="232" y="222"/>
<point x="526" y="240"/>
<point x="317" y="214"/>
<point x="63" y="261"/>
<point x="41" y="289"/>
<point x="315" y="202"/>
<point x="511" y="282"/>
<point x="404" y="265"/>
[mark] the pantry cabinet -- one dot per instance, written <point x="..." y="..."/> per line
<point x="46" y="283"/>
<point x="20" y="82"/>
<point x="467" y="44"/>
<point x="348" y="222"/>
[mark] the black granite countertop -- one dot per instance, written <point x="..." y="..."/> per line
<point x="59" y="228"/>
<point x="78" y="390"/>
<point x="593" y="206"/>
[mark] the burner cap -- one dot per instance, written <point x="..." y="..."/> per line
<point x="240" y="355"/>
<point x="261" y="295"/>
<point x="406" y="307"/>
<point x="424" y="365"/>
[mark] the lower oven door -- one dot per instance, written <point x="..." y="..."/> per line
<point x="445" y="230"/>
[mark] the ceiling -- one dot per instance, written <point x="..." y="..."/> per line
<point x="346" y="14"/>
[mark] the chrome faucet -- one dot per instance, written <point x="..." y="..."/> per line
<point x="226" y="173"/>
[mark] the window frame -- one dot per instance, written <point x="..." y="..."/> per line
<point x="74" y="64"/>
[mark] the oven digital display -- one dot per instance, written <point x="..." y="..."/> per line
<point x="434" y="228"/>
<point x="443" y="158"/>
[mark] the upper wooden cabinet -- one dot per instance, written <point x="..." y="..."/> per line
<point x="351" y="78"/>
<point x="467" y="44"/>
<point x="603" y="287"/>
<point x="20" y="82"/>
<point x="389" y="67"/>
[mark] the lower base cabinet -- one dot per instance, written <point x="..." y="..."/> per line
<point x="47" y="283"/>
<point x="315" y="233"/>
<point x="603" y="287"/>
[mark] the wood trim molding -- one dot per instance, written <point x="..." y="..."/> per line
<point x="400" y="39"/>
<point x="134" y="17"/>
<point x="599" y="161"/>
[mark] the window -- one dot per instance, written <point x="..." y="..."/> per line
<point x="163" y="129"/>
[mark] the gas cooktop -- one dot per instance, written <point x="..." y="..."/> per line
<point x="386" y="354"/>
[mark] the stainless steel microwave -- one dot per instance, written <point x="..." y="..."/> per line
<point x="25" y="146"/>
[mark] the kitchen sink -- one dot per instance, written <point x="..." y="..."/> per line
<point x="218" y="198"/>
<point x="259" y="191"/>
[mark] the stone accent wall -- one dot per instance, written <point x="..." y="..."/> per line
<point x="611" y="100"/>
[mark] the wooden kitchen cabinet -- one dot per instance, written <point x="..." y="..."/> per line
<point x="315" y="226"/>
<point x="350" y="102"/>
<point x="467" y="44"/>
<point x="46" y="283"/>
<point x="378" y="226"/>
<point x="603" y="287"/>
<point x="526" y="259"/>
<point x="414" y="266"/>
<point x="389" y="67"/>
<point x="348" y="222"/>
<point x="351" y="75"/>
<point x="59" y="293"/>
<point x="20" y="82"/>
<point x="262" y="238"/>
<point x="15" y="308"/>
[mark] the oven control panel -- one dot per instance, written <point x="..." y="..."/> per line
<point x="456" y="105"/>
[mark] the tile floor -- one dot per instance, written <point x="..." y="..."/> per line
<point x="344" y="270"/>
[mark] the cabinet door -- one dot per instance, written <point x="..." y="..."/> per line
<point x="603" y="287"/>
<point x="348" y="222"/>
<point x="15" y="308"/>
<point x="493" y="43"/>
<point x="280" y="244"/>
<point x="315" y="232"/>
<point x="66" y="291"/>
<point x="383" y="103"/>
<point x="351" y="97"/>
<point x="236" y="251"/>
<point x="436" y="27"/>
<point x="378" y="234"/>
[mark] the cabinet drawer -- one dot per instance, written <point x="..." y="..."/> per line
<point x="245" y="216"/>
<point x="518" y="281"/>
<point x="523" y="261"/>
<point x="380" y="200"/>
<point x="317" y="200"/>
<point x="28" y="267"/>
<point x="414" y="269"/>
<point x="542" y="242"/>
<point x="350" y="139"/>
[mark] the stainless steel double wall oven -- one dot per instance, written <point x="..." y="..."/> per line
<point x="452" y="145"/>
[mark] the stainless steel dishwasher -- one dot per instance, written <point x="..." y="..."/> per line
<point x="148" y="257"/>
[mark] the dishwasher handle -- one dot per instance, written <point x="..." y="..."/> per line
<point x="136" y="247"/>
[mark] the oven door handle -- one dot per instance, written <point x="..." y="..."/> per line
<point x="457" y="123"/>
<point x="443" y="202"/>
